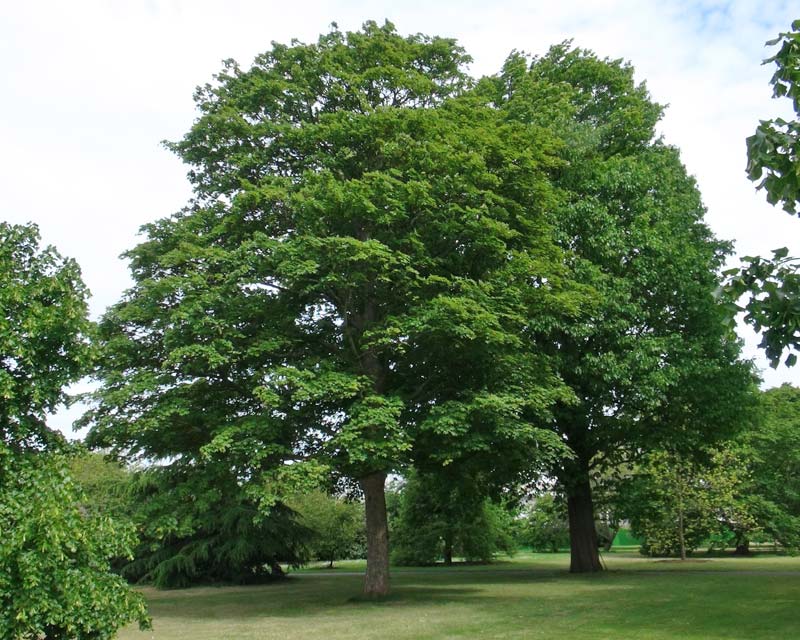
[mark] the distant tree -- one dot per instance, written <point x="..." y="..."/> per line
<point x="545" y="526"/>
<point x="442" y="517"/>
<point x="195" y="526"/>
<point x="772" y="285"/>
<point x="107" y="485"/>
<point x="55" y="578"/>
<point x="746" y="488"/>
<point x="336" y="526"/>
<point x="772" y="450"/>
<point x="675" y="502"/>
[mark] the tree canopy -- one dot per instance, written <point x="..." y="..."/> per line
<point x="772" y="450"/>
<point x="44" y="334"/>
<point x="386" y="263"/>
<point x="651" y="361"/>
<point x="353" y="285"/>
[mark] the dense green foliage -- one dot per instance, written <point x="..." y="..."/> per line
<point x="336" y="526"/>
<point x="43" y="334"/>
<point x="331" y="274"/>
<point x="441" y="517"/>
<point x="55" y="579"/>
<point x="106" y="484"/>
<point x="193" y="527"/>
<point x="354" y="282"/>
<point x="651" y="360"/>
<point x="55" y="574"/>
<point x="772" y="285"/>
<point x="743" y="489"/>
<point x="674" y="503"/>
<point x="772" y="451"/>
<point x="197" y="526"/>
<point x="545" y="525"/>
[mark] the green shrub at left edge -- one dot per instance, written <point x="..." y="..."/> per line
<point x="55" y="577"/>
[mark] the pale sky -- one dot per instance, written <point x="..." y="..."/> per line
<point x="89" y="88"/>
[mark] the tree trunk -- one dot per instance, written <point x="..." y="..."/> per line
<point x="742" y="547"/>
<point x="448" y="550"/>
<point x="681" y="538"/>
<point x="275" y="569"/>
<point x="376" y="582"/>
<point x="584" y="557"/>
<point x="612" y="534"/>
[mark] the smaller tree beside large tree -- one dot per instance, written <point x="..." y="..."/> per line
<point x="650" y="363"/>
<point x="55" y="578"/>
<point x="674" y="502"/>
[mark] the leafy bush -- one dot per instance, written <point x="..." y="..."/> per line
<point x="55" y="575"/>
<point x="444" y="518"/>
<point x="545" y="526"/>
<point x="199" y="526"/>
<point x="336" y="526"/>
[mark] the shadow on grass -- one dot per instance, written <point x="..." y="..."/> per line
<point x="259" y="602"/>
<point x="310" y="595"/>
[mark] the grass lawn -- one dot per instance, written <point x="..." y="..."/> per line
<point x="530" y="596"/>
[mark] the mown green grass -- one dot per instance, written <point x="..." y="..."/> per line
<point x="528" y="597"/>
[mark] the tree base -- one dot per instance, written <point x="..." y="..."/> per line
<point x="584" y="556"/>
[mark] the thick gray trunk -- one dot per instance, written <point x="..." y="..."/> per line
<point x="584" y="557"/>
<point x="376" y="581"/>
